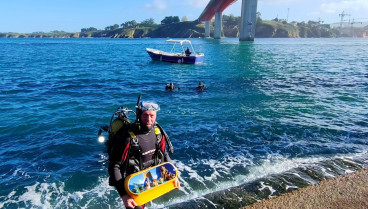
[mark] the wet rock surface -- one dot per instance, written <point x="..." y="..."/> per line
<point x="289" y="184"/>
<point x="348" y="191"/>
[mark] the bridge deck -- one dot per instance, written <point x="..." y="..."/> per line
<point x="214" y="6"/>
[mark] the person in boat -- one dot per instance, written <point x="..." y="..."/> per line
<point x="201" y="86"/>
<point x="137" y="147"/>
<point x="187" y="52"/>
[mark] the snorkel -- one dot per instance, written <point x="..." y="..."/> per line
<point x="137" y="110"/>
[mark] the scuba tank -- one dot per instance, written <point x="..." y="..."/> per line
<point x="120" y="119"/>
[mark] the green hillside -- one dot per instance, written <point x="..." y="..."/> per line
<point x="172" y="27"/>
<point x="273" y="29"/>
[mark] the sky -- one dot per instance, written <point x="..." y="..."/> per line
<point x="26" y="16"/>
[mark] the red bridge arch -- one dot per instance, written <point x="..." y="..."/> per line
<point x="214" y="6"/>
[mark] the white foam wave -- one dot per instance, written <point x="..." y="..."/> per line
<point x="54" y="195"/>
<point x="34" y="196"/>
<point x="274" y="164"/>
<point x="20" y="172"/>
<point x="263" y="187"/>
<point x="290" y="187"/>
<point x="327" y="173"/>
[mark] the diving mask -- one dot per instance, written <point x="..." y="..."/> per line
<point x="148" y="106"/>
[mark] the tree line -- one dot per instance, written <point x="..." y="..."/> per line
<point x="134" y="24"/>
<point x="264" y="28"/>
<point x="172" y="26"/>
<point x="281" y="28"/>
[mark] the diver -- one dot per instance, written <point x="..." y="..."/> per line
<point x="201" y="86"/>
<point x="137" y="146"/>
<point x="170" y="87"/>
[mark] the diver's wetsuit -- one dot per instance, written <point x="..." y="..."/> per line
<point x="147" y="142"/>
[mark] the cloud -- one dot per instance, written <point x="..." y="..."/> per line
<point x="201" y="4"/>
<point x="157" y="5"/>
<point x="273" y="2"/>
<point x="346" y="5"/>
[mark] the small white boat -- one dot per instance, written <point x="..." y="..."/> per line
<point x="186" y="57"/>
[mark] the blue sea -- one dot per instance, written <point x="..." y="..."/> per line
<point x="291" y="109"/>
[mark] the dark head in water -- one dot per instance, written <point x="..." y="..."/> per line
<point x="201" y="86"/>
<point x="170" y="86"/>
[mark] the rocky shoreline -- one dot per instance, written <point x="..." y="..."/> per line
<point x="269" y="188"/>
<point x="347" y="191"/>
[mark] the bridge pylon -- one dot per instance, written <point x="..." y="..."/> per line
<point x="248" y="20"/>
<point x="207" y="29"/>
<point x="218" y="25"/>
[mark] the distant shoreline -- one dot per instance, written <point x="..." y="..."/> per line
<point x="195" y="29"/>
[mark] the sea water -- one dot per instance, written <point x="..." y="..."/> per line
<point x="271" y="107"/>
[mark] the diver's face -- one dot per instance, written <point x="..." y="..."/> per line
<point x="148" y="118"/>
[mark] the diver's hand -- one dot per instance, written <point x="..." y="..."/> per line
<point x="129" y="202"/>
<point x="177" y="183"/>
